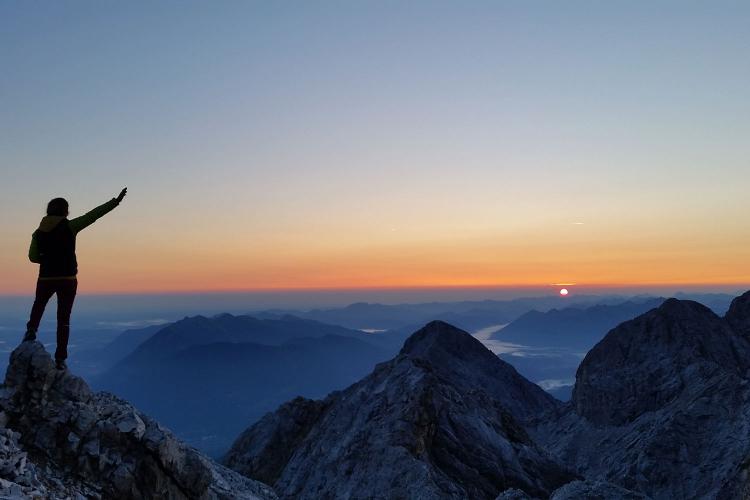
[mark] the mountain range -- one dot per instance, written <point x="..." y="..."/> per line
<point x="572" y="328"/>
<point x="469" y="315"/>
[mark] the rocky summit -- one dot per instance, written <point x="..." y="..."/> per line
<point x="58" y="439"/>
<point x="440" y="420"/>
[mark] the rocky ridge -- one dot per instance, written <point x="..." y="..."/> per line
<point x="58" y="439"/>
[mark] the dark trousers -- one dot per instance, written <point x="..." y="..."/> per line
<point x="66" y="294"/>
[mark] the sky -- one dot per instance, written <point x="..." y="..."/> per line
<point x="379" y="144"/>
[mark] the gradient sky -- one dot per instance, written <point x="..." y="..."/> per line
<point x="379" y="144"/>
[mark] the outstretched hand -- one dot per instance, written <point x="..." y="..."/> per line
<point x="122" y="194"/>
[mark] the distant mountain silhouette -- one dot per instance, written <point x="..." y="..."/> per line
<point x="207" y="378"/>
<point x="572" y="327"/>
<point x="94" y="361"/>
<point x="200" y="330"/>
<point x="470" y="315"/>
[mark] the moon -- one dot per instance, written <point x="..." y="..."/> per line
<point x="564" y="292"/>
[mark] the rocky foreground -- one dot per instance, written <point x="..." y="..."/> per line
<point x="58" y="439"/>
<point x="660" y="409"/>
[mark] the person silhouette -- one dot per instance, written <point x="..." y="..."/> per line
<point x="53" y="247"/>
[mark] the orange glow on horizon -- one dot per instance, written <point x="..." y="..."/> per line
<point x="116" y="258"/>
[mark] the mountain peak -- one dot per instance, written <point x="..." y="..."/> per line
<point x="683" y="309"/>
<point x="439" y="336"/>
<point x="456" y="355"/>
<point x="738" y="315"/>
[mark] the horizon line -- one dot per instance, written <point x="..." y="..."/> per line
<point x="405" y="288"/>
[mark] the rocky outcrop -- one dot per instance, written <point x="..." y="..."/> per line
<point x="441" y="420"/>
<point x="661" y="406"/>
<point x="59" y="439"/>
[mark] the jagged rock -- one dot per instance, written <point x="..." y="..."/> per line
<point x="661" y="407"/>
<point x="441" y="420"/>
<point x="96" y="445"/>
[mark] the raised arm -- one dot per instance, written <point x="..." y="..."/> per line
<point x="85" y="220"/>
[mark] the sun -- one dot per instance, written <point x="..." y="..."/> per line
<point x="564" y="292"/>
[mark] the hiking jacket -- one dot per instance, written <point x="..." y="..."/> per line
<point x="53" y="243"/>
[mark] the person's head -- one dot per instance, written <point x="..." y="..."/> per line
<point x="58" y="206"/>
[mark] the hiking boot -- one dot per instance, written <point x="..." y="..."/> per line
<point x="30" y="336"/>
<point x="60" y="364"/>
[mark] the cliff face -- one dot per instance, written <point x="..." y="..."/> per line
<point x="59" y="439"/>
<point x="441" y="420"/>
